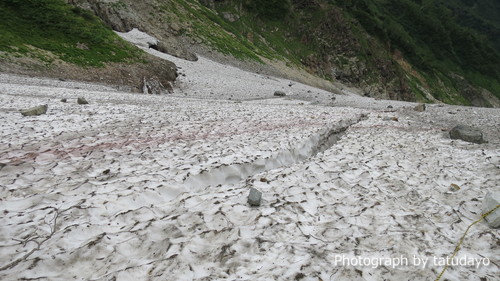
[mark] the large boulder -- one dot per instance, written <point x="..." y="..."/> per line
<point x="467" y="133"/>
<point x="37" y="110"/>
<point x="491" y="201"/>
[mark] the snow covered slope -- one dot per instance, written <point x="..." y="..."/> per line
<point x="141" y="187"/>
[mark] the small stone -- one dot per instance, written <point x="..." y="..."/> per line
<point x="390" y="106"/>
<point x="279" y="94"/>
<point x="64" y="100"/>
<point x="390" y="119"/>
<point x="454" y="187"/>
<point x="37" y="110"/>
<point x="467" y="133"/>
<point x="420" y="107"/>
<point x="254" y="197"/>
<point x="82" y="101"/>
<point x="490" y="202"/>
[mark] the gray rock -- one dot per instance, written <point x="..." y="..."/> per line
<point x="175" y="50"/>
<point x="82" y="101"/>
<point x="467" y="133"/>
<point x="64" y="100"/>
<point x="37" y="110"/>
<point x="390" y="119"/>
<point x="153" y="86"/>
<point x="279" y="94"/>
<point x="492" y="200"/>
<point x="254" y="197"/>
<point x="420" y="107"/>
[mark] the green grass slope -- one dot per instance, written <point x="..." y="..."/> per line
<point x="51" y="29"/>
<point x="431" y="38"/>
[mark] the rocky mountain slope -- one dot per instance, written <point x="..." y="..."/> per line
<point x="404" y="50"/>
<point x="413" y="50"/>
<point x="51" y="38"/>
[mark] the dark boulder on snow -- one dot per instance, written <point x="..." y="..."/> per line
<point x="254" y="197"/>
<point x="279" y="94"/>
<point x="467" y="133"/>
<point x="82" y="101"/>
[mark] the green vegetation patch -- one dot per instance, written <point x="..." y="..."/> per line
<point x="72" y="34"/>
<point x="431" y="39"/>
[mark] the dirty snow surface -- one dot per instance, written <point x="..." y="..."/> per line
<point x="140" y="187"/>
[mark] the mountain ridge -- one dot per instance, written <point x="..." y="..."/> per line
<point x="340" y="41"/>
<point x="412" y="50"/>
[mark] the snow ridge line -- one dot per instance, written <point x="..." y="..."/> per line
<point x="234" y="173"/>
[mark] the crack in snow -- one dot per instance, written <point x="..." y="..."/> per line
<point x="234" y="173"/>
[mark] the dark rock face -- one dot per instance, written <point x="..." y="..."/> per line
<point x="130" y="15"/>
<point x="34" y="111"/>
<point x="119" y="20"/>
<point x="467" y="133"/>
<point x="279" y="94"/>
<point x="471" y="93"/>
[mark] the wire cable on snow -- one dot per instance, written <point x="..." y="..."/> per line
<point x="457" y="248"/>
